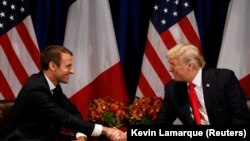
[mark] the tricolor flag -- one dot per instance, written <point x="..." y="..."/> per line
<point x="172" y="22"/>
<point x="98" y="72"/>
<point x="235" y="49"/>
<point x="19" y="52"/>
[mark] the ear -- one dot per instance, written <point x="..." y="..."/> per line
<point x="190" y="66"/>
<point x="52" y="65"/>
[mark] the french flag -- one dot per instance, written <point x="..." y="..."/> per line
<point x="234" y="53"/>
<point x="98" y="72"/>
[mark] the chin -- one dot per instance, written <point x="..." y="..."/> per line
<point x="176" y="79"/>
<point x="65" y="82"/>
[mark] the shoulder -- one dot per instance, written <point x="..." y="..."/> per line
<point x="218" y="72"/>
<point x="218" y="76"/>
<point x="36" y="82"/>
<point x="35" y="90"/>
<point x="36" y="79"/>
<point x="173" y="85"/>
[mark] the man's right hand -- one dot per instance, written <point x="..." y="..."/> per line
<point x="114" y="134"/>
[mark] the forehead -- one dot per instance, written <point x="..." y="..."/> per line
<point x="66" y="57"/>
<point x="176" y="61"/>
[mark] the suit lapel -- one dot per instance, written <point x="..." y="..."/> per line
<point x="207" y="91"/>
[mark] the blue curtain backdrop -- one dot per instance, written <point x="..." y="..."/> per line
<point x="131" y="18"/>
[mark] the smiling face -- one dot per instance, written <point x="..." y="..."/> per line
<point x="185" y="62"/>
<point x="179" y="69"/>
<point x="64" y="69"/>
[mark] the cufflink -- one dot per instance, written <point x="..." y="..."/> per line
<point x="207" y="85"/>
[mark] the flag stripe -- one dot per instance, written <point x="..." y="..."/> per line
<point x="13" y="59"/>
<point x="22" y="52"/>
<point x="234" y="52"/>
<point x="97" y="88"/>
<point x="90" y="36"/>
<point x="5" y="88"/>
<point x="177" y="34"/>
<point x="189" y="32"/>
<point x="9" y="74"/>
<point x="244" y="82"/>
<point x="168" y="39"/>
<point x="156" y="63"/>
<point x="145" y="87"/>
<point x="29" y="44"/>
<point x="152" y="78"/>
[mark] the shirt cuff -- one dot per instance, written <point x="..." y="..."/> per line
<point x="97" y="130"/>
<point x="78" y="134"/>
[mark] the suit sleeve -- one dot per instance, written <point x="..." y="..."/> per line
<point x="43" y="104"/>
<point x="236" y="100"/>
<point x="166" y="115"/>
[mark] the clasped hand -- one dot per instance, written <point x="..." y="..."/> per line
<point x="115" y="134"/>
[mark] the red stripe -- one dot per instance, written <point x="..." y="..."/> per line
<point x="13" y="59"/>
<point x="189" y="32"/>
<point x="156" y="62"/>
<point x="109" y="83"/>
<point x="145" y="87"/>
<point x="245" y="82"/>
<point x="28" y="42"/>
<point x="168" y="39"/>
<point x="5" y="88"/>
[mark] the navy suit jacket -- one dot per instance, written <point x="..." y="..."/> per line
<point x="39" y="115"/>
<point x="224" y="99"/>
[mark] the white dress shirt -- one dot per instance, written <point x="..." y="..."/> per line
<point x="199" y="92"/>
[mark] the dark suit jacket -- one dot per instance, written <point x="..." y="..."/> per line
<point x="224" y="99"/>
<point x="39" y="115"/>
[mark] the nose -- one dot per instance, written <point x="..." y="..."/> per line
<point x="72" y="70"/>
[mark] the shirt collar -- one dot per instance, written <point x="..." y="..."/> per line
<point x="197" y="79"/>
<point x="51" y="85"/>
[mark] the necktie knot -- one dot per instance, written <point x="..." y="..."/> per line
<point x="54" y="90"/>
<point x="191" y="85"/>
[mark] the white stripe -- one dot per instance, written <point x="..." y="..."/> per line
<point x="22" y="52"/>
<point x="139" y="92"/>
<point x="158" y="45"/>
<point x="91" y="37"/>
<point x="192" y="19"/>
<point x="177" y="34"/>
<point x="152" y="78"/>
<point x="9" y="73"/>
<point x="29" y="25"/>
<point x="235" y="50"/>
<point x="1" y="96"/>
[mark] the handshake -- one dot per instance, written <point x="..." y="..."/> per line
<point x="115" y="134"/>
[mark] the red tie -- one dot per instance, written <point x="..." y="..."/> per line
<point x="194" y="103"/>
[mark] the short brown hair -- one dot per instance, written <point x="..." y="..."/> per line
<point x="52" y="53"/>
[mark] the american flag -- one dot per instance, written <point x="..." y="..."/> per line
<point x="172" y="22"/>
<point x="19" y="52"/>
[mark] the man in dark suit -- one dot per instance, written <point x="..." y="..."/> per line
<point x="41" y="108"/>
<point x="220" y="99"/>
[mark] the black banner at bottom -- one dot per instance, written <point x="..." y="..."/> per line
<point x="182" y="132"/>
